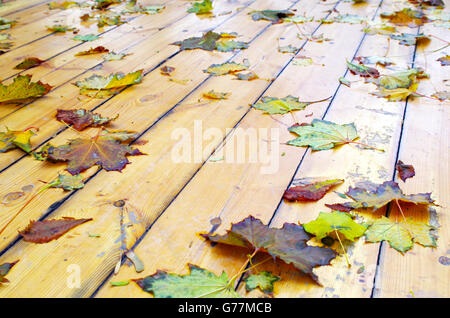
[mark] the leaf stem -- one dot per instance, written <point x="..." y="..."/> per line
<point x="365" y="145"/>
<point x="241" y="270"/>
<point x="343" y="248"/>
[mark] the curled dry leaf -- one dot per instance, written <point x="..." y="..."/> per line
<point x="405" y="171"/>
<point x="311" y="191"/>
<point x="49" y="230"/>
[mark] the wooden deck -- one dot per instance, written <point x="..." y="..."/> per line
<point x="168" y="203"/>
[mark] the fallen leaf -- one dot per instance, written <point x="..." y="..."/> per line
<point x="106" y="151"/>
<point x="249" y="76"/>
<point x="12" y="139"/>
<point x="59" y="28"/>
<point x="96" y="50"/>
<point x="379" y="196"/>
<point x="68" y="182"/>
<point x="216" y="95"/>
<point x="276" y="16"/>
<point x="406" y="17"/>
<point x="379" y="60"/>
<point x="63" y="5"/>
<point x="4" y="270"/>
<point x="28" y="63"/>
<point x="86" y="37"/>
<point x="110" y="18"/>
<point x="263" y="280"/>
<point x="22" y="90"/>
<point x="287" y="243"/>
<point x="81" y="118"/>
<point x="445" y="60"/>
<point x="287" y="49"/>
<point x="362" y="70"/>
<point x="303" y="61"/>
<point x="197" y="284"/>
<point x="349" y="18"/>
<point x="212" y="41"/>
<point x="49" y="230"/>
<point x="410" y="39"/>
<point x="401" y="236"/>
<point x="122" y="283"/>
<point x="298" y="19"/>
<point x="114" y="56"/>
<point x="275" y="105"/>
<point x="405" y="171"/>
<point x="225" y="68"/>
<point x="311" y="191"/>
<point x="201" y="7"/>
<point x="95" y="83"/>
<point x="167" y="70"/>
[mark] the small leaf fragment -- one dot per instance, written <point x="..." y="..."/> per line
<point x="4" y="270"/>
<point x="28" y="63"/>
<point x="275" y="16"/>
<point x="405" y="171"/>
<point x="311" y="191"/>
<point x="91" y="51"/>
<point x="68" y="182"/>
<point x="263" y="280"/>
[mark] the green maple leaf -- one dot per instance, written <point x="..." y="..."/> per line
<point x="22" y="90"/>
<point x="15" y="139"/>
<point x="4" y="270"/>
<point x="377" y="196"/>
<point x="274" y="105"/>
<point x="114" y="56"/>
<point x="287" y="243"/>
<point x="263" y="280"/>
<point x="60" y="28"/>
<point x="201" y="7"/>
<point x="86" y="37"/>
<point x="401" y="236"/>
<point x="323" y="135"/>
<point x="199" y="283"/>
<point x="68" y="182"/>
<point x="328" y="223"/>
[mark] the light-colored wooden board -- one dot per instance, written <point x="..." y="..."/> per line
<point x="13" y="7"/>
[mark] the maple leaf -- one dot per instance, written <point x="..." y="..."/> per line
<point x="212" y="41"/>
<point x="377" y="196"/>
<point x="410" y="39"/>
<point x="81" y="118"/>
<point x="445" y="60"/>
<point x="59" y="28"/>
<point x="323" y="135"/>
<point x="401" y="79"/>
<point x="362" y="70"/>
<point x="401" y="236"/>
<point x="86" y="37"/>
<point x="4" y="270"/>
<point x="287" y="243"/>
<point x="405" y="171"/>
<point x="406" y="17"/>
<point x="276" y="16"/>
<point x="197" y="284"/>
<point x="49" y="230"/>
<point x="28" y="63"/>
<point x="263" y="280"/>
<point x="201" y="7"/>
<point x="216" y="95"/>
<point x="96" y="83"/>
<point x="106" y="151"/>
<point x="15" y="139"/>
<point x="396" y="94"/>
<point x="311" y="191"/>
<point x="111" y="18"/>
<point x="328" y="223"/>
<point x="349" y="18"/>
<point x="379" y="28"/>
<point x="96" y="50"/>
<point x="22" y="90"/>
<point x="114" y="56"/>
<point x="274" y="105"/>
<point x="225" y="68"/>
<point x="298" y="19"/>
<point x="68" y="182"/>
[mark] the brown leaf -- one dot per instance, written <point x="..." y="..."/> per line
<point x="4" y="270"/>
<point x="405" y="171"/>
<point x="311" y="191"/>
<point x="81" y="118"/>
<point x="91" y="51"/>
<point x="49" y="230"/>
<point x="28" y="63"/>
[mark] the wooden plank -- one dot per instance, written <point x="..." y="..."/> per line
<point x="19" y="5"/>
<point x="423" y="272"/>
<point x="233" y="191"/>
<point x="108" y="248"/>
<point x="67" y="95"/>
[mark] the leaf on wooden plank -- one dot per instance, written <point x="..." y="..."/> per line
<point x="6" y="23"/>
<point x="377" y="197"/>
<point x="225" y="68"/>
<point x="114" y="56"/>
<point x="275" y="105"/>
<point x="212" y="94"/>
<point x="103" y="4"/>
<point x="201" y="7"/>
<point x="379" y="60"/>
<point x="247" y="76"/>
<point x="400" y="79"/>
<point x="287" y="243"/>
<point x="442" y="95"/>
<point x="4" y="270"/>
<point x="401" y="236"/>
<point x="287" y="49"/>
<point x="362" y="70"/>
<point x="167" y="70"/>
<point x="379" y="28"/>
<point x="410" y="39"/>
<point x="106" y="151"/>
<point x="59" y="28"/>
<point x="92" y="85"/>
<point x="49" y="230"/>
<point x="22" y="90"/>
<point x="110" y="18"/>
<point x="344" y="81"/>
<point x="445" y="60"/>
<point x="349" y="18"/>
<point x="263" y="280"/>
<point x="96" y="50"/>
<point x="406" y="17"/>
<point x="211" y="41"/>
<point x="311" y="191"/>
<point x="405" y="171"/>
<point x="302" y="61"/>
<point x="323" y="135"/>
<point x="12" y="139"/>
<point x="82" y="118"/>
<point x="63" y="5"/>
<point x="42" y="154"/>
<point x="298" y="19"/>
<point x="432" y="3"/>
<point x="86" y="37"/>
<point x="133" y="8"/>
<point x="199" y="283"/>
<point x="68" y="182"/>
<point x="396" y="94"/>
<point x="276" y="16"/>
<point x="121" y="283"/>
<point x="4" y="36"/>
<point x="28" y="63"/>
<point x="328" y="223"/>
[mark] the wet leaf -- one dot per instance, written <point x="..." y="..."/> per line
<point x="216" y="95"/>
<point x="198" y="283"/>
<point x="167" y="70"/>
<point x="275" y="105"/>
<point x="81" y="118"/>
<point x="4" y="270"/>
<point x="225" y="68"/>
<point x="311" y="191"/>
<point x="323" y="135"/>
<point x="96" y="50"/>
<point x="12" y="139"/>
<point x="263" y="280"/>
<point x="110" y="18"/>
<point x="95" y="83"/>
<point x="211" y="41"/>
<point x="28" y="63"/>
<point x="68" y="182"/>
<point x="22" y="90"/>
<point x="276" y="16"/>
<point x="362" y="70"/>
<point x="49" y="230"/>
<point x="406" y="17"/>
<point x="378" y="196"/>
<point x="401" y="236"/>
<point x="114" y="56"/>
<point x="405" y="171"/>
<point x="106" y="151"/>
<point x="201" y="7"/>
<point x="287" y="243"/>
<point x="410" y="39"/>
<point x="86" y="37"/>
<point x="328" y="223"/>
